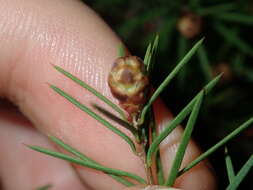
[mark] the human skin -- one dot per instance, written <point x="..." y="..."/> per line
<point x="33" y="35"/>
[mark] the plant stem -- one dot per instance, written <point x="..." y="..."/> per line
<point x="141" y="152"/>
<point x="143" y="158"/>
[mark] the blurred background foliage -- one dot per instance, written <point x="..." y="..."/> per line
<point x="227" y="27"/>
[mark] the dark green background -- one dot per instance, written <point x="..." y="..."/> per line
<point x="136" y="22"/>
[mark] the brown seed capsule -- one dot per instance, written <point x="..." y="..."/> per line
<point x="129" y="83"/>
<point x="190" y="25"/>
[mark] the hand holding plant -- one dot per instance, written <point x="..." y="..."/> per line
<point x="87" y="49"/>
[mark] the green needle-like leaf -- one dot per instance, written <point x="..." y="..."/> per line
<point x="229" y="165"/>
<point x="90" y="89"/>
<point x="177" y="120"/>
<point x="151" y="51"/>
<point x="166" y="34"/>
<point x="95" y="116"/>
<point x="184" y="141"/>
<point x="216" y="10"/>
<point x="204" y="62"/>
<point x="238" y="62"/>
<point x="88" y="164"/>
<point x="233" y="38"/>
<point x="194" y="3"/>
<point x="155" y="44"/>
<point x="121" y="122"/>
<point x="159" y="168"/>
<point x="181" y="51"/>
<point x="241" y="174"/>
<point x="147" y="54"/>
<point x="45" y="187"/>
<point x="218" y="145"/>
<point x="160" y="174"/>
<point x="70" y="149"/>
<point x="164" y="84"/>
<point x="235" y="18"/>
<point x="121" y="50"/>
<point x="85" y="158"/>
<point x="122" y="180"/>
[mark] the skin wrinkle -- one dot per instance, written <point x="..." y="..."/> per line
<point x="64" y="50"/>
<point x="13" y="32"/>
<point x="54" y="115"/>
<point x="43" y="120"/>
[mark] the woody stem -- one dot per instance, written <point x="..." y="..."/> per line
<point x="141" y="152"/>
<point x="142" y="155"/>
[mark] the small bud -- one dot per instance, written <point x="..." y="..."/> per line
<point x="224" y="68"/>
<point x="190" y="25"/>
<point x="129" y="83"/>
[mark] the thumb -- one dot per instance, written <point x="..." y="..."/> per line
<point x="37" y="33"/>
<point x="67" y="33"/>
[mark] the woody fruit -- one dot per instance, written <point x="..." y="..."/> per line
<point x="129" y="83"/>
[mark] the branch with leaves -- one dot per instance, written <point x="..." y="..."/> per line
<point x="130" y="81"/>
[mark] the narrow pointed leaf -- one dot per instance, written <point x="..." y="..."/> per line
<point x="90" y="89"/>
<point x="122" y="180"/>
<point x="164" y="84"/>
<point x="95" y="116"/>
<point x="45" y="187"/>
<point x="229" y="166"/>
<point x="181" y="51"/>
<point x="233" y="39"/>
<point x="241" y="174"/>
<point x="155" y="44"/>
<point x="218" y="145"/>
<point x="204" y="62"/>
<point x="176" y="121"/>
<point x="88" y="164"/>
<point x="194" y="3"/>
<point x="235" y="18"/>
<point x="150" y="52"/>
<point x="121" y="50"/>
<point x="238" y="62"/>
<point x="166" y="33"/>
<point x="158" y="168"/>
<point x="216" y="9"/>
<point x="150" y="64"/>
<point x="70" y="149"/>
<point x="184" y="141"/>
<point x="121" y="122"/>
<point x="85" y="158"/>
<point x="147" y="54"/>
<point x="160" y="174"/>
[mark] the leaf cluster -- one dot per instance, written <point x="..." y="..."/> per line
<point x="139" y="136"/>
